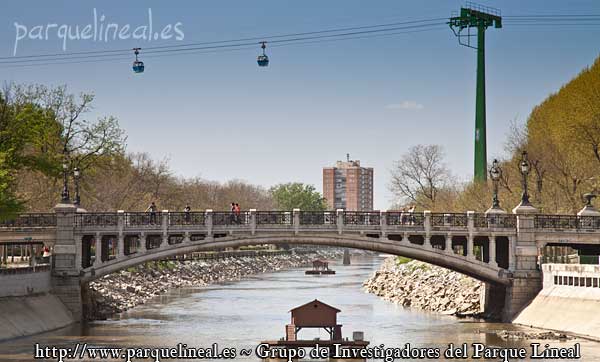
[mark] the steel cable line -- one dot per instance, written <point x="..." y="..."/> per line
<point x="224" y="46"/>
<point x="550" y="16"/>
<point x="212" y="51"/>
<point x="128" y="50"/>
<point x="302" y="38"/>
<point x="320" y="36"/>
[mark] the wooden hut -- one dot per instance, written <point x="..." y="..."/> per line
<point x="315" y="314"/>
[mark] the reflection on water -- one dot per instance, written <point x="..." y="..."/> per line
<point x="241" y="314"/>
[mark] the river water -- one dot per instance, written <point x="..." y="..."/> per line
<point x="241" y="314"/>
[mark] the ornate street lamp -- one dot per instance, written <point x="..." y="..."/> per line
<point x="588" y="199"/>
<point x="76" y="175"/>
<point x="524" y="168"/>
<point x="65" y="191"/>
<point x="495" y="174"/>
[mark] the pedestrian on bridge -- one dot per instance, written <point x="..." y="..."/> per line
<point x="152" y="210"/>
<point x="237" y="213"/>
<point x="186" y="211"/>
<point x="232" y="215"/>
<point x="411" y="213"/>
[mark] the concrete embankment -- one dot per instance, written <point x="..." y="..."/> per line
<point x="32" y="314"/>
<point x="123" y="290"/>
<point x="427" y="287"/>
<point x="569" y="301"/>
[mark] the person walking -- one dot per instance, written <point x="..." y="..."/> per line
<point x="232" y="215"/>
<point x="152" y="210"/>
<point x="403" y="215"/>
<point x="411" y="212"/>
<point x="186" y="211"/>
<point x="237" y="213"/>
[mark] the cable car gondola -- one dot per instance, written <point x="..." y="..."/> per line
<point x="138" y="65"/>
<point x="263" y="59"/>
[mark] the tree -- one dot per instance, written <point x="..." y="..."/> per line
<point x="84" y="141"/>
<point x="25" y="131"/>
<point x="297" y="195"/>
<point x="40" y="128"/>
<point x="420" y="175"/>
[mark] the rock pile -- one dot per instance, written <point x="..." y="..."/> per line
<point x="424" y="286"/>
<point x="120" y="291"/>
<point x="535" y="335"/>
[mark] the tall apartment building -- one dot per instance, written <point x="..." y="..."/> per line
<point x="348" y="186"/>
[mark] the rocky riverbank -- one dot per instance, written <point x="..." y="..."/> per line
<point x="123" y="290"/>
<point x="427" y="287"/>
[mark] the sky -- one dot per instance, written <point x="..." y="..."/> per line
<point x="220" y="117"/>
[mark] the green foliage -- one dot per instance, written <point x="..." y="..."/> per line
<point x="9" y="205"/>
<point x="562" y="138"/>
<point x="563" y="141"/>
<point x="297" y="195"/>
<point x="402" y="260"/>
<point x="37" y="124"/>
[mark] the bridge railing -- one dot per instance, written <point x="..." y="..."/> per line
<point x="317" y="218"/>
<point x="362" y="218"/>
<point x="274" y="218"/>
<point x="228" y="218"/>
<point x="137" y="219"/>
<point x="96" y="219"/>
<point x="449" y="220"/>
<point x="187" y="218"/>
<point x="27" y="220"/>
<point x="567" y="222"/>
<point x="504" y="221"/>
<point x="350" y="219"/>
<point x="405" y="219"/>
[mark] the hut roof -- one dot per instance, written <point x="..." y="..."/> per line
<point x="317" y="303"/>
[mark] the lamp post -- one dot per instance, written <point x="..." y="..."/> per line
<point x="76" y="175"/>
<point x="495" y="174"/>
<point x="65" y="191"/>
<point x="524" y="168"/>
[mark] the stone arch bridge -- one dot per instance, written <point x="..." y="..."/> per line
<point x="497" y="248"/>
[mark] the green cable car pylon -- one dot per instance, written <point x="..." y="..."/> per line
<point x="479" y="17"/>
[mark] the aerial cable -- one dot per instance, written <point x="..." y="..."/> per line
<point x="227" y="41"/>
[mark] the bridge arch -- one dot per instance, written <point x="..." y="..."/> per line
<point x="444" y="258"/>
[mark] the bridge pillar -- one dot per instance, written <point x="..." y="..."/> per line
<point x="252" y="221"/>
<point x="120" y="246"/>
<point x="143" y="243"/>
<point x="98" y="250"/>
<point x="470" y="251"/>
<point x="208" y="220"/>
<point x="383" y="223"/>
<point x="65" y="280"/>
<point x="512" y="242"/>
<point x="427" y="227"/>
<point x="471" y="236"/>
<point x="448" y="246"/>
<point x="165" y="229"/>
<point x="79" y="248"/>
<point x="525" y="278"/>
<point x="492" y="300"/>
<point x="120" y="235"/>
<point x="340" y="220"/>
<point x="296" y="220"/>
<point x="492" y="251"/>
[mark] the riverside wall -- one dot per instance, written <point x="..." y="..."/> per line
<point x="32" y="314"/>
<point x="569" y="301"/>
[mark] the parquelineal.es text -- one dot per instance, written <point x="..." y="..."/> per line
<point x="98" y="30"/>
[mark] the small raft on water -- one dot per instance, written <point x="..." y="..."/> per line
<point x="320" y="267"/>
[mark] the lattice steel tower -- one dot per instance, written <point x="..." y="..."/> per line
<point x="480" y="17"/>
